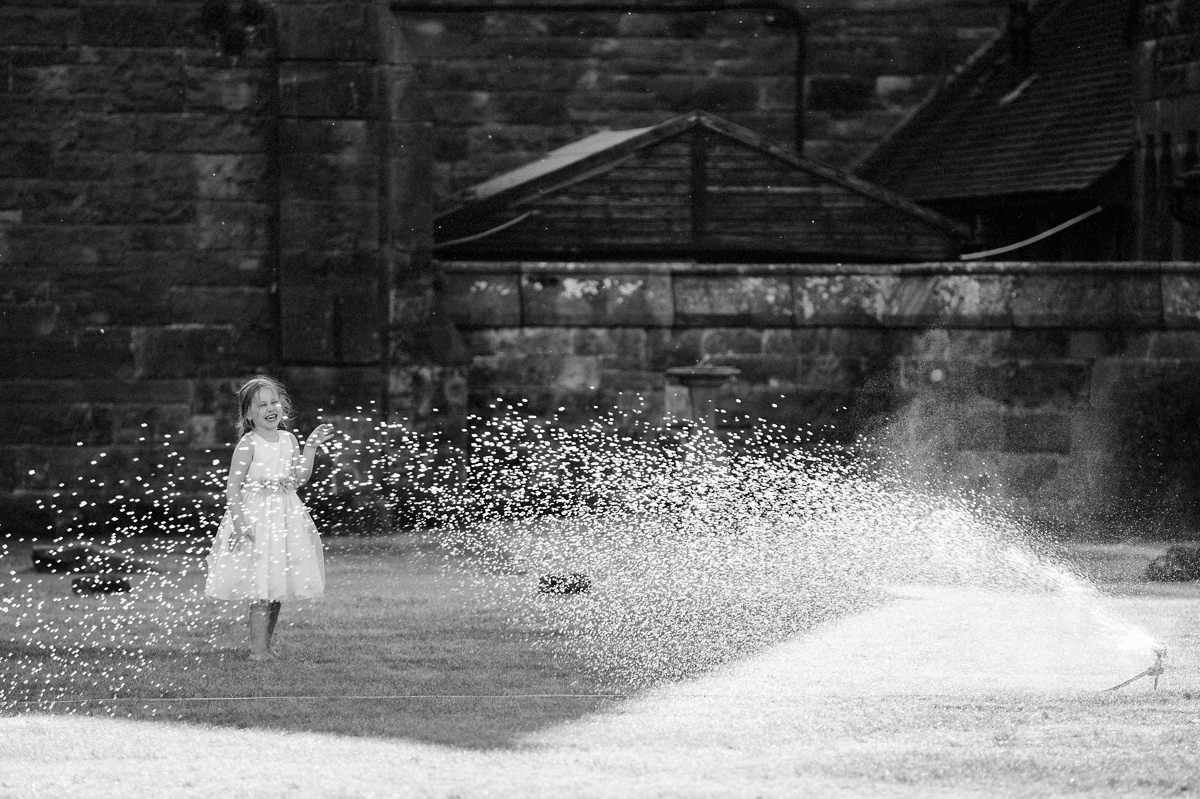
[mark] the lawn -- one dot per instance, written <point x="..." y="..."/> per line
<point x="425" y="676"/>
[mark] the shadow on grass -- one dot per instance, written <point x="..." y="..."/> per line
<point x="399" y="648"/>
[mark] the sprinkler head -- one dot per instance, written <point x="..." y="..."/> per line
<point x="1156" y="670"/>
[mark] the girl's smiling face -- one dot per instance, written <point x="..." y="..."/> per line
<point x="266" y="411"/>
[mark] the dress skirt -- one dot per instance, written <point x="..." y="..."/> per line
<point x="284" y="561"/>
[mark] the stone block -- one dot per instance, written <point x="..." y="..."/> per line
<point x="827" y="371"/>
<point x="1123" y="381"/>
<point x="326" y="136"/>
<point x="666" y="348"/>
<point x="246" y="306"/>
<point x="28" y="160"/>
<point x="105" y="392"/>
<point x="872" y="347"/>
<point x="1034" y="383"/>
<point x="937" y="375"/>
<point x="1140" y="302"/>
<point x="327" y="90"/>
<point x="202" y="133"/>
<point x="492" y="341"/>
<point x="618" y="348"/>
<point x="229" y="90"/>
<point x="495" y="372"/>
<point x="56" y="246"/>
<point x="141" y="423"/>
<point x="631" y="381"/>
<point x="351" y="177"/>
<point x="730" y="341"/>
<point x="587" y="301"/>
<point x="27" y="27"/>
<point x="848" y="93"/>
<point x="1026" y="474"/>
<point x="181" y="351"/>
<point x="562" y="372"/>
<point x="645" y="405"/>
<point x="733" y="300"/>
<point x="49" y="423"/>
<point x="1065" y="301"/>
<point x="337" y="325"/>
<point x="719" y="95"/>
<point x="239" y="176"/>
<point x="334" y="226"/>
<point x="209" y="233"/>
<point x="483" y="300"/>
<point x="330" y="31"/>
<point x="979" y="430"/>
<point x="759" y="369"/>
<point x="1037" y="433"/>
<point x="1094" y="343"/>
<point x="822" y="411"/>
<point x="220" y="225"/>
<point x="954" y="300"/>
<point x="105" y="353"/>
<point x="854" y="300"/>
<point x="780" y="341"/>
<point x="957" y="344"/>
<point x="134" y="80"/>
<point x="1093" y="430"/>
<point x="549" y="108"/>
<point x="317" y="266"/>
<point x="1169" y="344"/>
<point x="753" y="406"/>
<point x="538" y="341"/>
<point x="408" y="183"/>
<point x="1181" y="301"/>
<point x="28" y="320"/>
<point x="137" y="25"/>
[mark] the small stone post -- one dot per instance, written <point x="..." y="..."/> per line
<point x="691" y="392"/>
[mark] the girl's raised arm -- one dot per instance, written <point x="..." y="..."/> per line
<point x="302" y="470"/>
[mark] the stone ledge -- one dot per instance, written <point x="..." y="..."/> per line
<point x="927" y="269"/>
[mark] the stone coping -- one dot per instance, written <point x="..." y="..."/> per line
<point x="745" y="269"/>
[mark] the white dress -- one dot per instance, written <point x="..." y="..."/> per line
<point x="285" y="559"/>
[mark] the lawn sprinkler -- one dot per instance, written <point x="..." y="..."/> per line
<point x="1156" y="669"/>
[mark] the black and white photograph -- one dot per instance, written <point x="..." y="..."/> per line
<point x="616" y="399"/>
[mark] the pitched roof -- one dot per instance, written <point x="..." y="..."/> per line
<point x="693" y="185"/>
<point x="995" y="130"/>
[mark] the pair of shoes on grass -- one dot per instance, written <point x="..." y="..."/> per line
<point x="260" y="657"/>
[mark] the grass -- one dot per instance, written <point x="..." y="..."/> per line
<point x="394" y="623"/>
<point x="927" y="695"/>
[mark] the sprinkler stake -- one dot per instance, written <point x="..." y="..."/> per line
<point x="1156" y="669"/>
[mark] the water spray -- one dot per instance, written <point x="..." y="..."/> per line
<point x="1156" y="669"/>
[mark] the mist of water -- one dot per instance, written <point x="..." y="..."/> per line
<point x="700" y="548"/>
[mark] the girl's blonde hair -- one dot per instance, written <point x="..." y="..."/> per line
<point x="245" y="396"/>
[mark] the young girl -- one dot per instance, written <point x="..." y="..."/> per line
<point x="267" y="548"/>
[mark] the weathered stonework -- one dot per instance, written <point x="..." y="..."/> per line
<point x="1031" y="375"/>
<point x="175" y="216"/>
<point x="508" y="85"/>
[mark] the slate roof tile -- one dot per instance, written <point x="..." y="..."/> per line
<point x="995" y="130"/>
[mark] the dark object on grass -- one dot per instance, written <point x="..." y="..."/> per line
<point x="81" y="557"/>
<point x="1177" y="564"/>
<point x="94" y="584"/>
<point x="573" y="583"/>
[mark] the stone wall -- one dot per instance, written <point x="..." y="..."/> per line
<point x="509" y="82"/>
<point x="1072" y="388"/>
<point x="1167" y="124"/>
<point x="192" y="192"/>
<point x="137" y="199"/>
